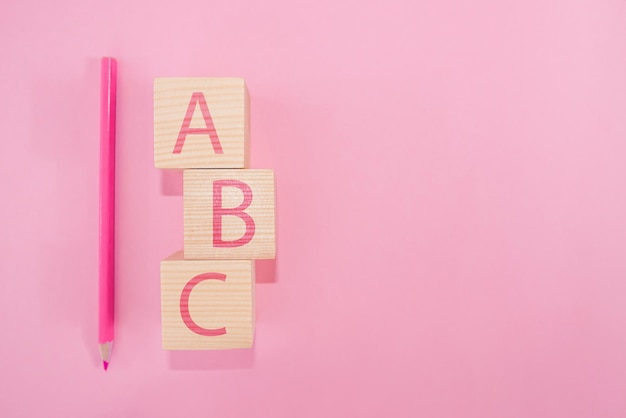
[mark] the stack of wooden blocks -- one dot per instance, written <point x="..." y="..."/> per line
<point x="202" y="126"/>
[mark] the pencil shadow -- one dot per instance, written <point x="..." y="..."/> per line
<point x="63" y="151"/>
<point x="212" y="359"/>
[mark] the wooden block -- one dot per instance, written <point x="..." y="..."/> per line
<point x="201" y="123"/>
<point x="229" y="214"/>
<point x="207" y="304"/>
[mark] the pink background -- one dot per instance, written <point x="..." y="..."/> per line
<point x="451" y="208"/>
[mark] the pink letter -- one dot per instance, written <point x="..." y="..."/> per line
<point x="184" y="305"/>
<point x="219" y="211"/>
<point x="197" y="98"/>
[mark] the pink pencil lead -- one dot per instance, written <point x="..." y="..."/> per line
<point x="105" y="364"/>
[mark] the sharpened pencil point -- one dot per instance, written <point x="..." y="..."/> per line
<point x="105" y="351"/>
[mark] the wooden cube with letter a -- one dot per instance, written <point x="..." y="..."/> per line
<point x="201" y="123"/>
<point x="229" y="214"/>
<point x="207" y="304"/>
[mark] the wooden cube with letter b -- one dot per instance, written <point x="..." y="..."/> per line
<point x="201" y="123"/>
<point x="207" y="304"/>
<point x="229" y="214"/>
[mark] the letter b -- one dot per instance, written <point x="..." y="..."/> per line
<point x="219" y="212"/>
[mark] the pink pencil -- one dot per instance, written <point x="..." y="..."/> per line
<point x="108" y="84"/>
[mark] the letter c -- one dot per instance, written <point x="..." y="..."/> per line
<point x="184" y="305"/>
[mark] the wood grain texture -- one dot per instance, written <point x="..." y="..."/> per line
<point x="199" y="220"/>
<point x="213" y="304"/>
<point x="229" y="106"/>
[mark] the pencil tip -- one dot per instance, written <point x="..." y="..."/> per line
<point x="105" y="351"/>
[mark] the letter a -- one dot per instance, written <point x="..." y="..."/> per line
<point x="197" y="98"/>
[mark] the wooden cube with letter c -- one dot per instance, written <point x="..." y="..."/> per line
<point x="229" y="214"/>
<point x="207" y="304"/>
<point x="201" y="123"/>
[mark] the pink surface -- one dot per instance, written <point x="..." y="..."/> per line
<point x="451" y="208"/>
<point x="106" y="260"/>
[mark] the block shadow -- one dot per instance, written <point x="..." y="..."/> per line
<point x="211" y="359"/>
<point x="172" y="182"/>
<point x="265" y="271"/>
